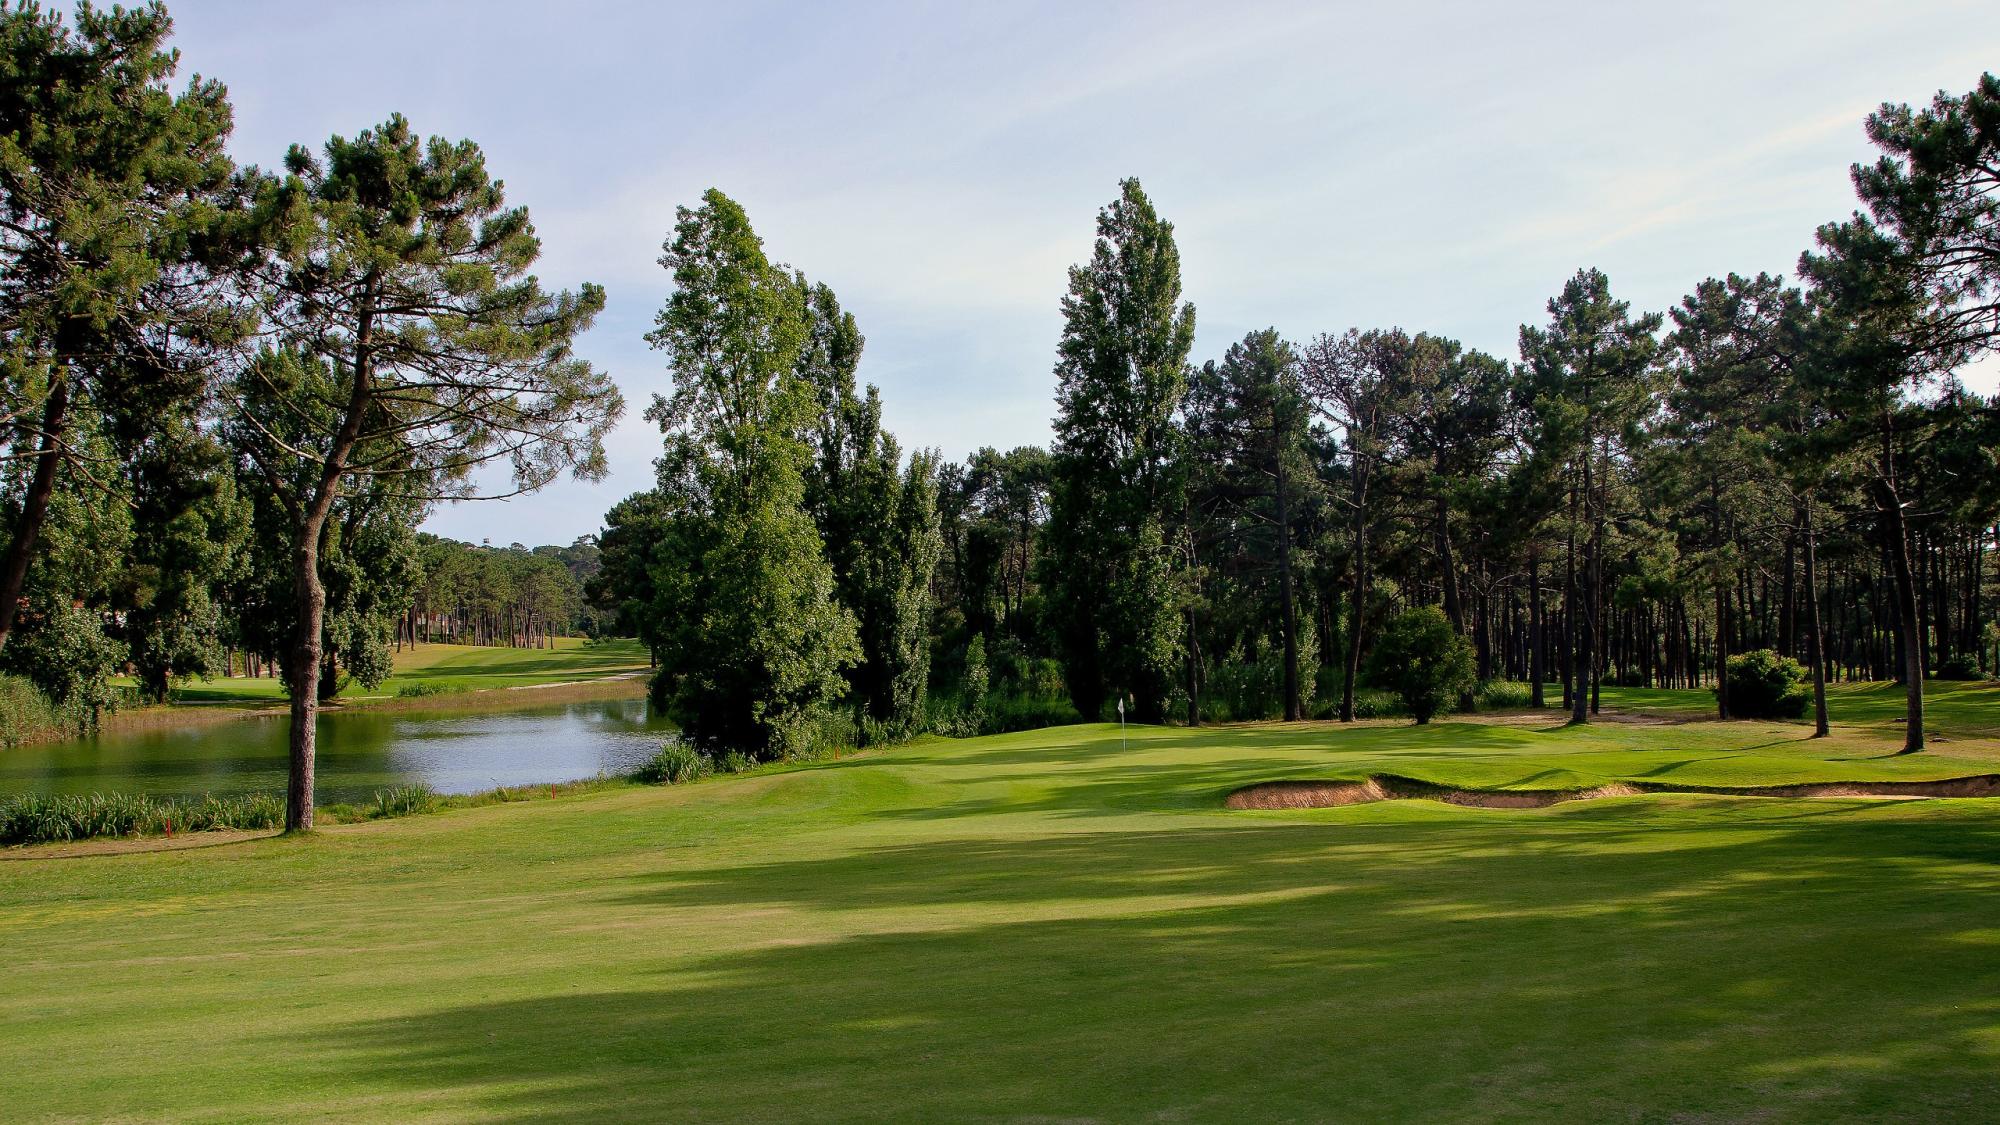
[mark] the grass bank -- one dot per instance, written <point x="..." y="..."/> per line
<point x="1045" y="925"/>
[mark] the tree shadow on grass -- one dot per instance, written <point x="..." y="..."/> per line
<point x="1615" y="966"/>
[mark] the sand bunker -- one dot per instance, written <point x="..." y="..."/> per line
<point x="1388" y="787"/>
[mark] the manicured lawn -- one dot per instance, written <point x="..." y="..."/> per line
<point x="1042" y="926"/>
<point x="454" y="667"/>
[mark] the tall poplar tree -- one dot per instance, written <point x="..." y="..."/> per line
<point x="753" y="640"/>
<point x="879" y="521"/>
<point x="1121" y="371"/>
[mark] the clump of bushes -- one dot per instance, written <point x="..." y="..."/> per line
<point x="1250" y="682"/>
<point x="1373" y="703"/>
<point x="69" y="658"/>
<point x="1959" y="666"/>
<point x="1008" y="711"/>
<point x="1424" y="661"/>
<point x="38" y="818"/>
<point x="26" y="715"/>
<point x="1764" y="685"/>
<point x="418" y="689"/>
<point x="675" y="764"/>
<point x="982" y="691"/>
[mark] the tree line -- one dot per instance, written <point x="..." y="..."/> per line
<point x="1640" y="497"/>
<point x="230" y="394"/>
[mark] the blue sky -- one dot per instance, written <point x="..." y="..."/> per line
<point x="1442" y="167"/>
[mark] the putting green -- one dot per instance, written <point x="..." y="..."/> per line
<point x="1041" y="926"/>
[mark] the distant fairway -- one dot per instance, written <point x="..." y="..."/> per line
<point x="452" y="668"/>
<point x="1041" y="926"/>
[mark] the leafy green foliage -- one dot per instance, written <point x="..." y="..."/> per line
<point x="1424" y="661"/>
<point x="65" y="651"/>
<point x="114" y="191"/>
<point x="1253" y="484"/>
<point x="878" y="523"/>
<point x="1960" y="666"/>
<point x="1764" y="685"/>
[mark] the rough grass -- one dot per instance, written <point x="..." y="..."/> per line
<point x="1039" y="926"/>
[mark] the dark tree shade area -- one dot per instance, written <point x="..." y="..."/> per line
<point x="229" y="396"/>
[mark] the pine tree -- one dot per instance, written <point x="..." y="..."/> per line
<point x="1248" y="422"/>
<point x="414" y="347"/>
<point x="1591" y="383"/>
<point x="113" y="192"/>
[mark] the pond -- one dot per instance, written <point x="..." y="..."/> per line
<point x="359" y="752"/>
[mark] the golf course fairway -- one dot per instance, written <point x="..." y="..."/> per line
<point x="1044" y="926"/>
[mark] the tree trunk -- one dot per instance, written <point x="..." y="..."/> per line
<point x="1584" y="622"/>
<point x="1815" y="644"/>
<point x="34" y="506"/>
<point x="1289" y="611"/>
<point x="1568" y="611"/>
<point x="1536" y="635"/>
<point x="1454" y="605"/>
<point x="1788" y="599"/>
<point x="1193" y="673"/>
<point x="1897" y="532"/>
<point x="310" y="516"/>
<point x="1354" y="613"/>
<point x="304" y="679"/>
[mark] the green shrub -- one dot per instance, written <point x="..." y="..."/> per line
<point x="418" y="689"/>
<point x="1010" y="711"/>
<point x="735" y="761"/>
<point x="1497" y="695"/>
<point x="25" y="713"/>
<point x="1424" y="661"/>
<point x="403" y="800"/>
<point x="1764" y="685"/>
<point x="1374" y="703"/>
<point x="974" y="684"/>
<point x="1250" y="683"/>
<point x="1960" y="666"/>
<point x="675" y="764"/>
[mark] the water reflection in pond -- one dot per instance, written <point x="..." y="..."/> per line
<point x="359" y="752"/>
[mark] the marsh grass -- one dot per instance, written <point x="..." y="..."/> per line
<point x="26" y="715"/>
<point x="37" y="818"/>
